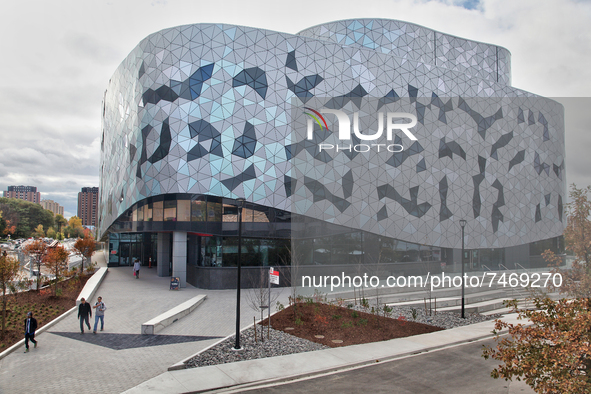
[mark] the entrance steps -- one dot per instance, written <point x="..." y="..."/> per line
<point x="487" y="299"/>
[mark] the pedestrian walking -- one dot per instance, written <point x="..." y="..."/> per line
<point x="84" y="311"/>
<point x="136" y="268"/>
<point x="99" y="314"/>
<point x="30" y="328"/>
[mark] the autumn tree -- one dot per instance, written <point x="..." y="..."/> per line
<point x="37" y="250"/>
<point x="51" y="233"/>
<point x="39" y="232"/>
<point x="75" y="222"/>
<point x="74" y="228"/>
<point x="9" y="268"/>
<point x="6" y="227"/>
<point x="56" y="260"/>
<point x="553" y="353"/>
<point x="60" y="222"/>
<point x="85" y="247"/>
<point x="25" y="216"/>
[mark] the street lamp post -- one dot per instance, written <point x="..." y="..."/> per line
<point x="463" y="224"/>
<point x="240" y="204"/>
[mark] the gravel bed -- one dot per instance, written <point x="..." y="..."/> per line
<point x="279" y="344"/>
<point x="440" y="319"/>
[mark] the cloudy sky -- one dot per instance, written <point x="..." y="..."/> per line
<point x="57" y="58"/>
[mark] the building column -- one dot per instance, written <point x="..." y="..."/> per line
<point x="163" y="254"/>
<point x="179" y="256"/>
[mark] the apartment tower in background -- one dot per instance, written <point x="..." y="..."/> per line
<point x="27" y="193"/>
<point x="53" y="207"/>
<point x="87" y="205"/>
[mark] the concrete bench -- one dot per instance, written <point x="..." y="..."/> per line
<point x="167" y="318"/>
<point x="92" y="285"/>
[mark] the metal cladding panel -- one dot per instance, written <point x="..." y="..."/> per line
<point x="206" y="109"/>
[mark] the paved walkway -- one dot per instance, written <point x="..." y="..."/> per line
<point x="119" y="358"/>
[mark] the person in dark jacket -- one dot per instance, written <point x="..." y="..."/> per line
<point x="84" y="312"/>
<point x="30" y="328"/>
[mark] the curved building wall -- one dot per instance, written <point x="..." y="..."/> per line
<point x="206" y="109"/>
<point x="407" y="40"/>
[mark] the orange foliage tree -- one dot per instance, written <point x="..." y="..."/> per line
<point x="9" y="268"/>
<point x="552" y="352"/>
<point x="37" y="250"/>
<point x="85" y="247"/>
<point x="56" y="260"/>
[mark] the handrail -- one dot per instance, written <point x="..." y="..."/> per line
<point x="501" y="265"/>
<point x="522" y="267"/>
<point x="486" y="267"/>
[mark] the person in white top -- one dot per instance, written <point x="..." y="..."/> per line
<point x="136" y="268"/>
<point x="99" y="314"/>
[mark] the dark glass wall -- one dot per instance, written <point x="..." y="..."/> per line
<point x="212" y="226"/>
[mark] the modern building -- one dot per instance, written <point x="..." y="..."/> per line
<point x="53" y="207"/>
<point x="198" y="117"/>
<point x="27" y="193"/>
<point x="88" y="199"/>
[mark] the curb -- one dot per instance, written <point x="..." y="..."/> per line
<point x="182" y="364"/>
<point x="57" y="319"/>
<point x="247" y="374"/>
<point x="342" y="368"/>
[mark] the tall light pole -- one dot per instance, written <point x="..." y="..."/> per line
<point x="463" y="224"/>
<point x="240" y="205"/>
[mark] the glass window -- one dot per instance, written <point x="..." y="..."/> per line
<point x="260" y="217"/>
<point x="169" y="211"/>
<point x="211" y="251"/>
<point x="198" y="211"/>
<point x="158" y="211"/>
<point x="247" y="215"/>
<point x="322" y="250"/>
<point x="278" y="252"/>
<point x="214" y="211"/>
<point x="134" y="214"/>
<point x="250" y="252"/>
<point x="140" y="214"/>
<point x="554" y="244"/>
<point x="184" y="211"/>
<point x="114" y="248"/>
<point x="148" y="212"/>
<point x="230" y="213"/>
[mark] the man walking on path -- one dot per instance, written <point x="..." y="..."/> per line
<point x="99" y="314"/>
<point x="136" y="268"/>
<point x="84" y="311"/>
<point x="30" y="327"/>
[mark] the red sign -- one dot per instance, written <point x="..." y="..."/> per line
<point x="113" y="252"/>
<point x="274" y="276"/>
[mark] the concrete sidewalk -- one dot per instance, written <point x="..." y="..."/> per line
<point x="279" y="369"/>
<point x="120" y="358"/>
